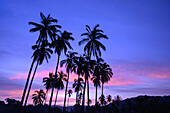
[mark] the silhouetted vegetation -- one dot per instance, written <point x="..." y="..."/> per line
<point x="89" y="66"/>
<point x="140" y="104"/>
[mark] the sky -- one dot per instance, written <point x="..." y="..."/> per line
<point x="138" y="48"/>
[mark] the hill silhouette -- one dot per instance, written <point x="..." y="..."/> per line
<point x="140" y="104"/>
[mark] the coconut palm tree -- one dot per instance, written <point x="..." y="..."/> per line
<point x="117" y="99"/>
<point x="106" y="74"/>
<point x="70" y="65"/>
<point x="46" y="28"/>
<point x="48" y="83"/>
<point x="79" y="70"/>
<point x="93" y="45"/>
<point x="78" y="87"/>
<point x="69" y="95"/>
<point x="109" y="98"/>
<point x="42" y="52"/>
<point x="59" y="83"/>
<point x="38" y="97"/>
<point x="97" y="75"/>
<point x="60" y="45"/>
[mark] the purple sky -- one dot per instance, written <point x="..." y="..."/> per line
<point x="138" y="49"/>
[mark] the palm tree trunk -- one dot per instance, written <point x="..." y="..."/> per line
<point x="88" y="94"/>
<point x="49" y="108"/>
<point x="96" y="96"/>
<point x="102" y="88"/>
<point x="26" y="85"/>
<point x="31" y="83"/>
<point x="102" y="93"/>
<point x="82" y="110"/>
<point x="64" y="108"/>
<point x="56" y="98"/>
<point x="77" y="91"/>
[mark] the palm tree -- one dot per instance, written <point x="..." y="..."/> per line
<point x="70" y="65"/>
<point x="38" y="97"/>
<point x="48" y="83"/>
<point x="42" y="52"/>
<point x="79" y="70"/>
<point x="60" y="45"/>
<point x="97" y="75"/>
<point x="59" y="83"/>
<point x="102" y="99"/>
<point x="109" y="98"/>
<point x="106" y="74"/>
<point x="78" y="87"/>
<point x="93" y="45"/>
<point x="45" y="28"/>
<point x="117" y="99"/>
<point x="69" y="95"/>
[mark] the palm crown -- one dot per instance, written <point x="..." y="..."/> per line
<point x="46" y="27"/>
<point x="93" y="45"/>
<point x="41" y="52"/>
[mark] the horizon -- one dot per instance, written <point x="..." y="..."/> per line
<point x="138" y="49"/>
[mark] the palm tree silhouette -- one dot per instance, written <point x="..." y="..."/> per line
<point x="109" y="98"/>
<point x="59" y="83"/>
<point x="78" y="87"/>
<point x="69" y="95"/>
<point x="48" y="83"/>
<point x="93" y="45"/>
<point x="97" y="75"/>
<point x="41" y="52"/>
<point x="79" y="70"/>
<point x="60" y="45"/>
<point x="106" y="74"/>
<point x="38" y="97"/>
<point x="45" y="28"/>
<point x="70" y="65"/>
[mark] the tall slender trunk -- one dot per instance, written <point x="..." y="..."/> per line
<point x="49" y="108"/>
<point x="88" y="93"/>
<point x="56" y="98"/>
<point x="31" y="83"/>
<point x="102" y="88"/>
<point x="82" y="110"/>
<point x="64" y="108"/>
<point x="26" y="85"/>
<point x="78" y="90"/>
<point x="96" y="96"/>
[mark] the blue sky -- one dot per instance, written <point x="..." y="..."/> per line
<point x="138" y="48"/>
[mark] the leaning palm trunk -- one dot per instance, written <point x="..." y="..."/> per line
<point x="31" y="83"/>
<point x="49" y="108"/>
<point x="64" y="108"/>
<point x="26" y="85"/>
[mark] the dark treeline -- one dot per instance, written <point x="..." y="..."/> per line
<point x="140" y="104"/>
